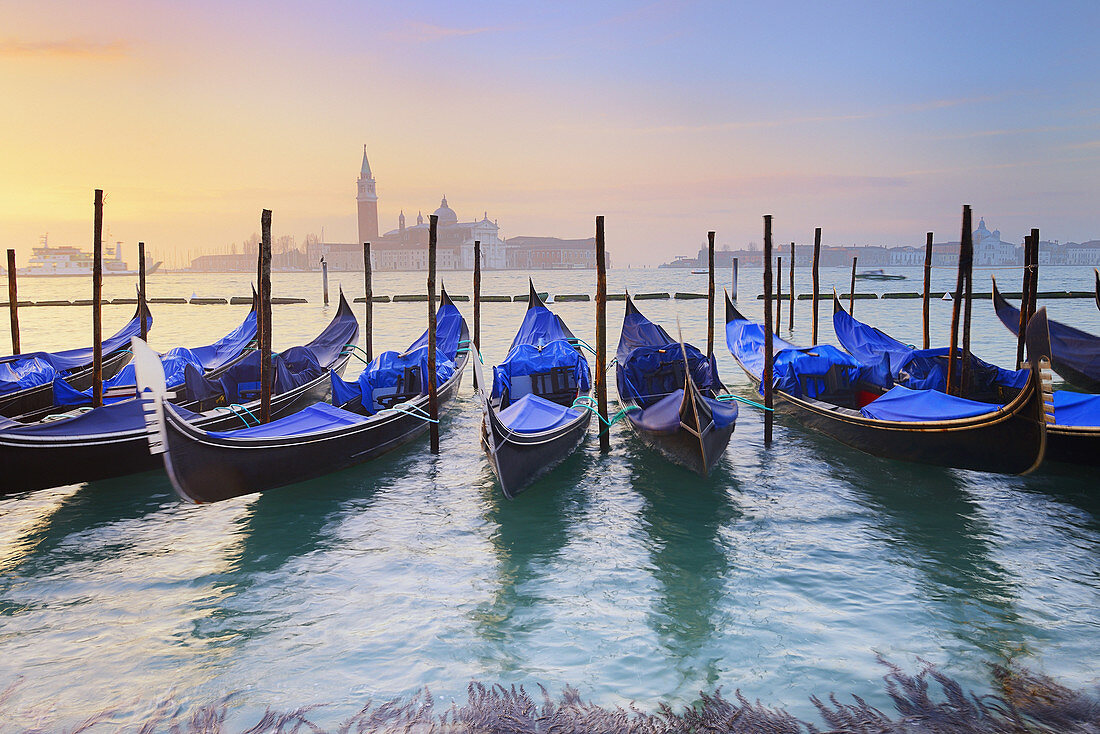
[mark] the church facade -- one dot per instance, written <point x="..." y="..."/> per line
<point x="406" y="248"/>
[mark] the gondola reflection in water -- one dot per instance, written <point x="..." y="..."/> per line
<point x="534" y="413"/>
<point x="383" y="409"/>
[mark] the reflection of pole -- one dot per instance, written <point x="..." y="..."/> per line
<point x="710" y="294"/>
<point x="816" y="277"/>
<point x="97" y="302"/>
<point x="13" y="302"/>
<point x="477" y="303"/>
<point x="927" y="282"/>
<point x="766" y="375"/>
<point x="601" y="335"/>
<point x="141" y="291"/>
<point x="433" y="397"/>
<point x="267" y="379"/>
<point x="368" y="302"/>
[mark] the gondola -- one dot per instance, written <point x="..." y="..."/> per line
<point x="831" y="392"/>
<point x="1073" y="431"/>
<point x="1096" y="274"/>
<point x="385" y="408"/>
<point x="110" y="441"/>
<point x="669" y="391"/>
<point x="26" y="380"/>
<point x="530" y="422"/>
<point x="1076" y="354"/>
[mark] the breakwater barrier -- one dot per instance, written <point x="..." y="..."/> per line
<point x="931" y="294"/>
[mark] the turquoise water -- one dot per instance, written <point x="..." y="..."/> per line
<point x="784" y="574"/>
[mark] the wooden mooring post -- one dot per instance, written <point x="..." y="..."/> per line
<point x="956" y="306"/>
<point x="778" y="294"/>
<point x="13" y="302"/>
<point x="1032" y="305"/>
<point x="790" y="316"/>
<point x="267" y="378"/>
<point x="477" y="302"/>
<point x="766" y="375"/>
<point x="368" y="303"/>
<point x="601" y="336"/>
<point x="927" y="284"/>
<point x="433" y="395"/>
<point x="733" y="295"/>
<point x="816" y="278"/>
<point x="141" y="291"/>
<point x="324" y="278"/>
<point x="710" y="293"/>
<point x="852" y="288"/>
<point x="1025" y="296"/>
<point x="97" y="302"/>
<point x="968" y="300"/>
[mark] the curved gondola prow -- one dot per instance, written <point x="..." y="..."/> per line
<point x="533" y="300"/>
<point x="732" y="314"/>
<point x="1096" y="272"/>
<point x="332" y="344"/>
<point x="1006" y="312"/>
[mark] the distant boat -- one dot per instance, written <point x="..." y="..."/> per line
<point x="52" y="262"/>
<point x="700" y="271"/>
<point x="878" y="275"/>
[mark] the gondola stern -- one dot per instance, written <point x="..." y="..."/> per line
<point x="533" y="300"/>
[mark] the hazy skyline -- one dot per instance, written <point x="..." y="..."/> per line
<point x="873" y="121"/>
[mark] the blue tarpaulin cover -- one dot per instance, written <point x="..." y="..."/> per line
<point x="920" y="369"/>
<point x="1076" y="409"/>
<point x="542" y="343"/>
<point x="175" y="362"/>
<point x="387" y="372"/>
<point x="317" y="417"/>
<point x="118" y="417"/>
<point x="534" y="414"/>
<point x="903" y="404"/>
<point x="241" y="382"/>
<point x="802" y="371"/>
<point x="22" y="371"/>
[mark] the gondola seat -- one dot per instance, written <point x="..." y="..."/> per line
<point x="534" y="414"/>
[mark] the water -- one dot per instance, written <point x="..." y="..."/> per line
<point x="784" y="574"/>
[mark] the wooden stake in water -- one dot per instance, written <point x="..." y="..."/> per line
<point x="13" y="302"/>
<point x="368" y="302"/>
<point x="766" y="376"/>
<point x="97" y="302"/>
<point x="433" y="397"/>
<point x="601" y="335"/>
<point x="816" y="277"/>
<point x="968" y="297"/>
<point x="477" y="297"/>
<point x="852" y="289"/>
<point x="956" y="307"/>
<point x="141" y="291"/>
<point x="324" y="278"/>
<point x="710" y="293"/>
<point x="1025" y="297"/>
<point x="259" y="294"/>
<point x="790" y="316"/>
<point x="267" y="378"/>
<point x="1033" y="304"/>
<point x="733" y="294"/>
<point x="778" y="294"/>
<point x="927" y="282"/>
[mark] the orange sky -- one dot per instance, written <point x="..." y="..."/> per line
<point x="669" y="118"/>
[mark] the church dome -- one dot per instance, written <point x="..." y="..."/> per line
<point x="445" y="213"/>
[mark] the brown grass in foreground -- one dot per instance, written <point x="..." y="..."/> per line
<point x="1025" y="703"/>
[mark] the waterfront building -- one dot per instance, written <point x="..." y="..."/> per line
<point x="552" y="253"/>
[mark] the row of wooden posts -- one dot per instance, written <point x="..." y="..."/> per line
<point x="962" y="302"/>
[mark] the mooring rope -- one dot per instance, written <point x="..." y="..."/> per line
<point x="746" y="401"/>
<point x="235" y="409"/>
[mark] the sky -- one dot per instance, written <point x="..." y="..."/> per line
<point x="875" y="121"/>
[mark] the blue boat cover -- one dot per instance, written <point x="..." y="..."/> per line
<point x="920" y="369"/>
<point x="540" y="326"/>
<point x="802" y="371"/>
<point x="651" y="363"/>
<point x="528" y="359"/>
<point x="398" y="373"/>
<point x="1076" y="409"/>
<point x="241" y="382"/>
<point x="903" y="404"/>
<point x="22" y="371"/>
<point x="664" y="415"/>
<point x="332" y="343"/>
<point x="226" y="349"/>
<point x="117" y="417"/>
<point x="175" y="362"/>
<point x="1076" y="349"/>
<point x="534" y="414"/>
<point x="317" y="417"/>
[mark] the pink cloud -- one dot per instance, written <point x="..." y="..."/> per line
<point x="69" y="48"/>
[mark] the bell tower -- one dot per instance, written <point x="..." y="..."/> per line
<point x="367" y="203"/>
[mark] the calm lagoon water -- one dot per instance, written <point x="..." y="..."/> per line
<point x="784" y="574"/>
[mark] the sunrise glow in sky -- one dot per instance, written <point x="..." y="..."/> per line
<point x="875" y="121"/>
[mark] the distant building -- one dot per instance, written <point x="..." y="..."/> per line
<point x="990" y="250"/>
<point x="551" y="253"/>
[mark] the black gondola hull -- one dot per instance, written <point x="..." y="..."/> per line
<point x="37" y="463"/>
<point x="518" y="459"/>
<point x="206" y="468"/>
<point x="683" y="447"/>
<point x="1074" y="445"/>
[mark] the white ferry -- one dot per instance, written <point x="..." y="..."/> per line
<point x="58" y="261"/>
